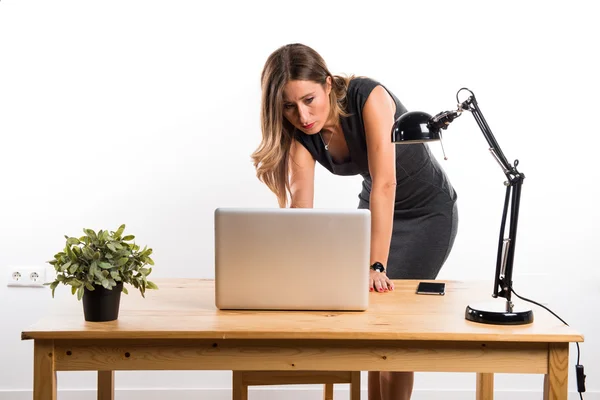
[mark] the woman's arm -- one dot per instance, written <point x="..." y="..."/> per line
<point x="378" y="115"/>
<point x="302" y="176"/>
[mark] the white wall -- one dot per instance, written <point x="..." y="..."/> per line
<point x="146" y="112"/>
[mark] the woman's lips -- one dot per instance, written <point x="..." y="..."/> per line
<point x="308" y="126"/>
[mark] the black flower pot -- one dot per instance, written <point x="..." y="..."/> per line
<point x="102" y="304"/>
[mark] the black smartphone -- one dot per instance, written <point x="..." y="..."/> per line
<point x="431" y="288"/>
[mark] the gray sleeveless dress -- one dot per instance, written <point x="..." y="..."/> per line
<point x="425" y="212"/>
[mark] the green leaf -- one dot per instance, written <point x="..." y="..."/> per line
<point x="70" y="253"/>
<point x="73" y="268"/>
<point x="122" y="261"/>
<point x="127" y="254"/>
<point x="152" y="285"/>
<point x="80" y="292"/>
<point x="149" y="261"/>
<point x="125" y="290"/>
<point x="88" y="253"/>
<point x="105" y="283"/>
<point x="115" y="275"/>
<point x="105" y="236"/>
<point x="105" y="265"/>
<point x="73" y="240"/>
<point x="91" y="234"/>
<point x="73" y="289"/>
<point x="53" y="286"/>
<point x="98" y="274"/>
<point x="128" y="237"/>
<point x="89" y="286"/>
<point x="119" y="231"/>
<point x="112" y="247"/>
<point x="65" y="266"/>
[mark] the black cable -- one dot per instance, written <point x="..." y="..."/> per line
<point x="580" y="375"/>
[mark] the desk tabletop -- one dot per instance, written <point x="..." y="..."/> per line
<point x="185" y="309"/>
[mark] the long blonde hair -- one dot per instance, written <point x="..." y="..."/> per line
<point x="290" y="62"/>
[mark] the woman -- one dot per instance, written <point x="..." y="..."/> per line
<point x="309" y="115"/>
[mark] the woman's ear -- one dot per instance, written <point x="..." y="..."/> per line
<point x="328" y="85"/>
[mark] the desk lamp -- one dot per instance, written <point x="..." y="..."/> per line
<point x="420" y="127"/>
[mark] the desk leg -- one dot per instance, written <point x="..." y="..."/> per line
<point x="44" y="375"/>
<point x="556" y="380"/>
<point x="485" y="386"/>
<point x="106" y="385"/>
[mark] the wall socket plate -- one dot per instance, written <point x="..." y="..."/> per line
<point x="29" y="276"/>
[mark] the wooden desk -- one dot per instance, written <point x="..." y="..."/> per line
<point x="178" y="328"/>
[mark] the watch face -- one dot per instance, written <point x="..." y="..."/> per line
<point x="377" y="266"/>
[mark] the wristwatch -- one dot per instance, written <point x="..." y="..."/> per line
<point x="377" y="266"/>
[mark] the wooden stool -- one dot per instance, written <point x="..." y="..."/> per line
<point x="243" y="379"/>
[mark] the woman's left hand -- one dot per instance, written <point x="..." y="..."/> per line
<point x="380" y="282"/>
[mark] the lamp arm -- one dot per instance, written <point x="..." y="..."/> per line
<point x="471" y="105"/>
<point x="506" y="246"/>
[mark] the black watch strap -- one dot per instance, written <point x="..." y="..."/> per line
<point x="377" y="266"/>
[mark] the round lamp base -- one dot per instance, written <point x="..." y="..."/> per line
<point x="498" y="313"/>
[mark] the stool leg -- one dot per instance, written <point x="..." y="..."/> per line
<point x="328" y="391"/>
<point x="106" y="385"/>
<point x="485" y="386"/>
<point x="355" y="385"/>
<point x="240" y="390"/>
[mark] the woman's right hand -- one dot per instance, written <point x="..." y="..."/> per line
<point x="380" y="282"/>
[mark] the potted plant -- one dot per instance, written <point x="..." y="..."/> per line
<point x="97" y="265"/>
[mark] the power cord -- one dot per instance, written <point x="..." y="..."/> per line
<point x="578" y="368"/>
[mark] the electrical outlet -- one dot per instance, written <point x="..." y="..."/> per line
<point x="27" y="276"/>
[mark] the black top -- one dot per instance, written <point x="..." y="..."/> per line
<point x="412" y="190"/>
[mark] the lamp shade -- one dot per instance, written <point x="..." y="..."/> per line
<point x="414" y="127"/>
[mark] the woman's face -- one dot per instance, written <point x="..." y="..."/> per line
<point x="306" y="104"/>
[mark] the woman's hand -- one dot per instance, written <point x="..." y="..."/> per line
<point x="380" y="282"/>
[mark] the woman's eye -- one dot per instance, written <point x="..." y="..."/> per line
<point x="309" y="100"/>
<point x="288" y="106"/>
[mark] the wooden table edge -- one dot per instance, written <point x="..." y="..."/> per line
<point x="533" y="338"/>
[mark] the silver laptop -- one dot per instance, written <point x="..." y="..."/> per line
<point x="292" y="258"/>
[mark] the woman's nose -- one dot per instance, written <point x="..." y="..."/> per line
<point x="303" y="115"/>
